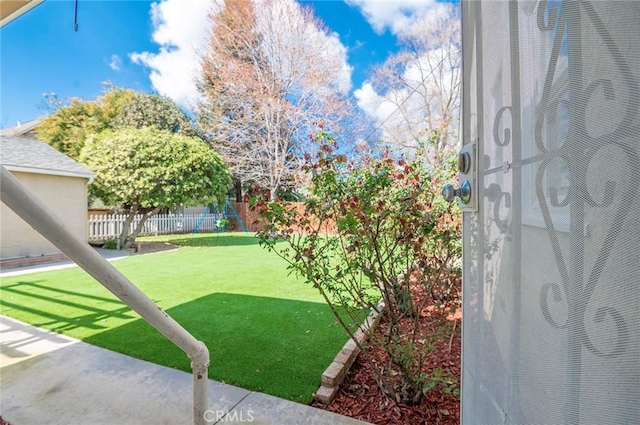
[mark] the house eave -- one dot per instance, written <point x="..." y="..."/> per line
<point x="50" y="172"/>
<point x="13" y="9"/>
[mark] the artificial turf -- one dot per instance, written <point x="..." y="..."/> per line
<point x="266" y="331"/>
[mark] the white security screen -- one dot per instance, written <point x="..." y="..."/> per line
<point x="551" y="96"/>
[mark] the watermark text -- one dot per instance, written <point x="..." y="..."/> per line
<point x="235" y="416"/>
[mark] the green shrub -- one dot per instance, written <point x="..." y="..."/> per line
<point x="376" y="229"/>
<point x="111" y="244"/>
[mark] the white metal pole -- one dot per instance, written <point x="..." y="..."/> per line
<point x="44" y="220"/>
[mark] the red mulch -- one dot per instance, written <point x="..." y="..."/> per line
<point x="360" y="397"/>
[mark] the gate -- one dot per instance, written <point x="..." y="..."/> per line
<point x="551" y="150"/>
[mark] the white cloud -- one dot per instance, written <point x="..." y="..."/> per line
<point x="180" y="27"/>
<point x="408" y="105"/>
<point x="392" y="112"/>
<point x="395" y="15"/>
<point x="334" y="47"/>
<point x="115" y="63"/>
<point x="373" y="104"/>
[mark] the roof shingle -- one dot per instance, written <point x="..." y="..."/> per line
<point x="29" y="155"/>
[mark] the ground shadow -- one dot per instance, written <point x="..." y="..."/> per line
<point x="92" y="317"/>
<point x="216" y="239"/>
<point x="270" y="345"/>
<point x="18" y="335"/>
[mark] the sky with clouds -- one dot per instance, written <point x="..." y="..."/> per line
<point x="151" y="46"/>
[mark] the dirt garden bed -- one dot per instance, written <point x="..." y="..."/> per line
<point x="151" y="247"/>
<point x="360" y="397"/>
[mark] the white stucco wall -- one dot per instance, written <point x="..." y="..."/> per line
<point x="67" y="196"/>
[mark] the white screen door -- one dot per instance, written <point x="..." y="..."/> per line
<point x="551" y="98"/>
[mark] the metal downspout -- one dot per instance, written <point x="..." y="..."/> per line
<point x="44" y="220"/>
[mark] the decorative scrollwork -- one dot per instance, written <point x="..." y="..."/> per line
<point x="553" y="17"/>
<point x="495" y="194"/>
<point x="502" y="142"/>
<point x="544" y="303"/>
<point x="620" y="215"/>
<point x="545" y="101"/>
<point x="548" y="221"/>
<point x="554" y="198"/>
<point x="594" y="276"/>
<point x="622" y="340"/>
<point x="632" y="85"/>
<point x="584" y="155"/>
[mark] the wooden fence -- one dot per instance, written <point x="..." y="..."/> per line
<point x="102" y="227"/>
<point x="251" y="222"/>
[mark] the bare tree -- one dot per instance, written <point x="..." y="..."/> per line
<point x="271" y="72"/>
<point x="415" y="95"/>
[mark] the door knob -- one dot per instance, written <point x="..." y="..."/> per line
<point x="464" y="192"/>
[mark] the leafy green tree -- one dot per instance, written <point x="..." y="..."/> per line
<point x="69" y="127"/>
<point x="375" y="235"/>
<point x="145" y="110"/>
<point x="148" y="169"/>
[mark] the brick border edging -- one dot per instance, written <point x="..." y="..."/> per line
<point x="13" y="263"/>
<point x="334" y="375"/>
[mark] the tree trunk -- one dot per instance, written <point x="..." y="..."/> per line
<point x="132" y="237"/>
<point x="127" y="225"/>
<point x="238" y="188"/>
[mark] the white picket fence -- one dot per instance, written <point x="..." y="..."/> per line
<point x="102" y="227"/>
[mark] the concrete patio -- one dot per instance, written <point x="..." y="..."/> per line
<point x="49" y="378"/>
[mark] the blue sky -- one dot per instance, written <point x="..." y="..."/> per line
<point x="118" y="41"/>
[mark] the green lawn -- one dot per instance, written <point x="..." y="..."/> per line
<point x="265" y="330"/>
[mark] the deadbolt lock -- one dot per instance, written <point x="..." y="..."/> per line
<point x="467" y="193"/>
<point x="464" y="162"/>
